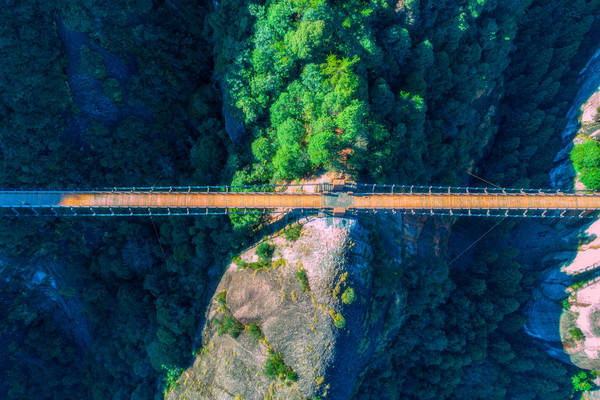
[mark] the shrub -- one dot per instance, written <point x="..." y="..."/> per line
<point x="576" y="333"/>
<point x="229" y="325"/>
<point x="303" y="278"/>
<point x="348" y="296"/>
<point x="280" y="262"/>
<point x="339" y="321"/>
<point x="237" y="260"/>
<point x="275" y="367"/>
<point x="583" y="381"/>
<point x="292" y="233"/>
<point x="221" y="300"/>
<point x="171" y="376"/>
<point x="577" y="285"/>
<point x="566" y="305"/>
<point x="254" y="331"/>
<point x="264" y="251"/>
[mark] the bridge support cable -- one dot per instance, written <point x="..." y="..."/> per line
<point x="475" y="242"/>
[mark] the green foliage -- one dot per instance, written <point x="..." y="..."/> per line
<point x="590" y="177"/>
<point x="586" y="160"/>
<point x="303" y="278"/>
<point x="576" y="333"/>
<point x="254" y="331"/>
<point x="577" y="285"/>
<point x="583" y="381"/>
<point x="348" y="296"/>
<point x="275" y="368"/>
<point x="586" y="155"/>
<point x="171" y="375"/>
<point x="292" y="233"/>
<point x="403" y="91"/>
<point x="221" y="300"/>
<point x="228" y="325"/>
<point x="264" y="251"/>
<point x="471" y="316"/>
<point x="339" y="321"/>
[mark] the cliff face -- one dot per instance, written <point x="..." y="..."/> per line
<point x="303" y="312"/>
<point x="562" y="258"/>
<point x="562" y="175"/>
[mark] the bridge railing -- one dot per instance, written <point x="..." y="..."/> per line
<point x="296" y="188"/>
<point x="366" y="188"/>
<point x="491" y="213"/>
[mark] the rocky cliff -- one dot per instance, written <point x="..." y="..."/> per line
<point x="566" y="251"/>
<point x="289" y="325"/>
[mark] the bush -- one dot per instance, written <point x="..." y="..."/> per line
<point x="339" y="321"/>
<point x="348" y="296"/>
<point x="221" y="300"/>
<point x="171" y="376"/>
<point x="254" y="331"/>
<point x="577" y="285"/>
<point x="586" y="155"/>
<point x="583" y="381"/>
<point x="303" y="278"/>
<point x="264" y="251"/>
<point x="275" y="367"/>
<point x="229" y="325"/>
<point x="292" y="233"/>
<point x="237" y="260"/>
<point x="576" y="333"/>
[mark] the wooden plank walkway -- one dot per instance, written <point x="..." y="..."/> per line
<point x="273" y="200"/>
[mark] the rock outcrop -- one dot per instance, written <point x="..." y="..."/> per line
<point x="304" y="312"/>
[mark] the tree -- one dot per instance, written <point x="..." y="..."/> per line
<point x="586" y="155"/>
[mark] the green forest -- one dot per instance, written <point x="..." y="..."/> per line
<point x="404" y="91"/>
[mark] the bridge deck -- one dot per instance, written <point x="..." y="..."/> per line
<point x="271" y="200"/>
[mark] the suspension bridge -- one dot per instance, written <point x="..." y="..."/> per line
<point x="337" y="198"/>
